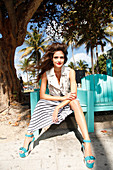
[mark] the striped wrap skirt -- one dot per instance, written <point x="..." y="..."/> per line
<point x="42" y="115"/>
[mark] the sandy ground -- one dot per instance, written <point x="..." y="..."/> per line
<point x="55" y="150"/>
<point x="14" y="122"/>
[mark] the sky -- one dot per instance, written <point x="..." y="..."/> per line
<point x="79" y="54"/>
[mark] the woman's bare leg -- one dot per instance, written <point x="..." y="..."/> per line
<point x="80" y="118"/>
<point x="27" y="140"/>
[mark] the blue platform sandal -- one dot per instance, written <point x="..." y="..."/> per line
<point x="88" y="158"/>
<point x="30" y="147"/>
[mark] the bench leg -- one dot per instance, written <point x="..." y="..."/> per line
<point x="90" y="112"/>
<point x="34" y="98"/>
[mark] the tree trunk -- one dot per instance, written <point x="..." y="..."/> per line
<point x="9" y="84"/>
<point x="97" y="60"/>
<point x="92" y="60"/>
<point x="72" y="48"/>
<point x="27" y="77"/>
<point x="111" y="41"/>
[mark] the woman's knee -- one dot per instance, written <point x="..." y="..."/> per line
<point x="75" y="106"/>
<point x="74" y="103"/>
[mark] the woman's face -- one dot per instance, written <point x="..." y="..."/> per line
<point x="58" y="59"/>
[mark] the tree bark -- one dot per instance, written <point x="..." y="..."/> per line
<point x="13" y="30"/>
<point x="9" y="84"/>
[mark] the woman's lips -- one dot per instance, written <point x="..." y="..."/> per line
<point x="59" y="63"/>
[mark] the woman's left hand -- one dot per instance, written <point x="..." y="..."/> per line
<point x="71" y="96"/>
<point x="55" y="115"/>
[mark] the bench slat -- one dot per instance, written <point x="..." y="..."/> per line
<point x="101" y="84"/>
<point x="102" y="87"/>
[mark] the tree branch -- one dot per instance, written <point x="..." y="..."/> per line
<point x="11" y="12"/>
<point x="30" y="9"/>
<point x="24" y="14"/>
<point x="18" y="2"/>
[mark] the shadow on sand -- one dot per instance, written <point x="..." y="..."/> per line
<point x="63" y="128"/>
<point x="102" y="161"/>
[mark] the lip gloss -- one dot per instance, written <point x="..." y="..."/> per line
<point x="59" y="63"/>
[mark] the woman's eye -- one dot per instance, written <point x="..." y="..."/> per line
<point x="61" y="57"/>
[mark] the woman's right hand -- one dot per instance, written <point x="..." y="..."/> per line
<point x="55" y="115"/>
<point x="71" y="96"/>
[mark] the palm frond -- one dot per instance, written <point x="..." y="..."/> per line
<point x="40" y="49"/>
<point x="22" y="50"/>
<point x="108" y="40"/>
<point x="27" y="52"/>
<point x="80" y="42"/>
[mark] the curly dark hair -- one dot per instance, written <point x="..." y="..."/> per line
<point x="45" y="62"/>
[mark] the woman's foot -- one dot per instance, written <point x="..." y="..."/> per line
<point x="23" y="151"/>
<point x="88" y="151"/>
<point x="88" y="156"/>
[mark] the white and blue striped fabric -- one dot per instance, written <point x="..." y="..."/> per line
<point x="42" y="115"/>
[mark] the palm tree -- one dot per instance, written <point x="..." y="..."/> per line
<point x="72" y="65"/>
<point x="92" y="43"/>
<point x="82" y="65"/>
<point x="24" y="65"/>
<point x="89" y="45"/>
<point x="35" y="45"/>
<point x="71" y="41"/>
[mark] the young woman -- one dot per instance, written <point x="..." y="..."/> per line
<point x="61" y="100"/>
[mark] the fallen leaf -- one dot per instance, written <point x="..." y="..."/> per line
<point x="15" y="124"/>
<point x="104" y="131"/>
<point x="3" y="113"/>
<point x="19" y="115"/>
<point x="19" y="118"/>
<point x="9" y="122"/>
<point x="28" y="116"/>
<point x="27" y="124"/>
<point x="14" y="104"/>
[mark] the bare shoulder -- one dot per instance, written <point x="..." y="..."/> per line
<point x="72" y="75"/>
<point x="44" y="75"/>
<point x="43" y="81"/>
<point x="72" y="72"/>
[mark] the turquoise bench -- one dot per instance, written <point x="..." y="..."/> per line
<point x="85" y="102"/>
<point x="101" y="87"/>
